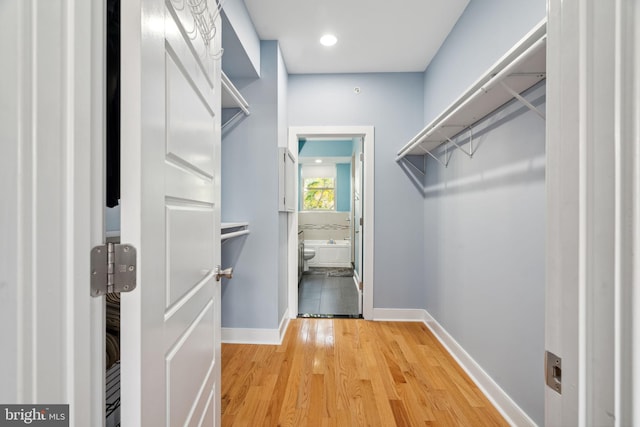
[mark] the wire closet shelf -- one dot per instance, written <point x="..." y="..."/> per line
<point x="519" y="69"/>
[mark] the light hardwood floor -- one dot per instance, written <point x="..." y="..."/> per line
<point x="346" y="372"/>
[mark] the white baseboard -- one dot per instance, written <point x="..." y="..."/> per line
<point x="512" y="413"/>
<point x="256" y="335"/>
<point x="284" y="325"/>
<point x="399" y="315"/>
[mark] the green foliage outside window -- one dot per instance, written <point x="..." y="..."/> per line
<point x="319" y="193"/>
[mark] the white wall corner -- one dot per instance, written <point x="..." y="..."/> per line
<point x="284" y="325"/>
<point x="512" y="413"/>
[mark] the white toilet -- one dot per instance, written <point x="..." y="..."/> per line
<point x="307" y="255"/>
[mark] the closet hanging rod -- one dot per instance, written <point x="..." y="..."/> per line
<point x="235" y="116"/>
<point x="226" y="236"/>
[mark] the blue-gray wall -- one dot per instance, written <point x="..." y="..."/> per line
<point x="393" y="104"/>
<point x="484" y="217"/>
<point x="240" y="41"/>
<point x="253" y="298"/>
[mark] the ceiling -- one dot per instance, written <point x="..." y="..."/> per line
<point x="372" y="35"/>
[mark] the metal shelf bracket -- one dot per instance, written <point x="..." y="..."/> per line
<point x="446" y="155"/>
<point x="468" y="153"/>
<point x="522" y="100"/>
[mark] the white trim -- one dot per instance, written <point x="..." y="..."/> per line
<point x="256" y="335"/>
<point x="512" y="413"/>
<point x="367" y="132"/>
<point x="96" y="206"/>
<point x="356" y="283"/>
<point x="50" y="60"/>
<point x="284" y="325"/>
<point x="400" y="315"/>
<point x="592" y="214"/>
<point x="627" y="239"/>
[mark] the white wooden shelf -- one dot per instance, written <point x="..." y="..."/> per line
<point x="518" y="70"/>
<point x="232" y="98"/>
<point x="230" y="230"/>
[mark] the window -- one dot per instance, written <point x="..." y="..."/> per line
<point x="318" y="187"/>
<point x="319" y="193"/>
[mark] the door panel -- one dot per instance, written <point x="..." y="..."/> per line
<point x="189" y="122"/>
<point x="187" y="366"/>
<point x="188" y="257"/>
<point x="171" y="213"/>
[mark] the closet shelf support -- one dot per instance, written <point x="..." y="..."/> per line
<point x="446" y="155"/>
<point x="468" y="153"/>
<point x="522" y="100"/>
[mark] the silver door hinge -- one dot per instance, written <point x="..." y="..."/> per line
<point x="362" y="157"/>
<point x="113" y="269"/>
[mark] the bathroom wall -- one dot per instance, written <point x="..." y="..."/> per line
<point x="393" y="104"/>
<point x="324" y="225"/>
<point x="343" y="184"/>
<point x="485" y="217"/>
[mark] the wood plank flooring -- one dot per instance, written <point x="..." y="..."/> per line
<point x="347" y="372"/>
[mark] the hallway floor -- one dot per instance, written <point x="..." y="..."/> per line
<point x="319" y="293"/>
<point x="350" y="372"/>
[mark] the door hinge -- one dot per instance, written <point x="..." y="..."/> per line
<point x="553" y="370"/>
<point x="361" y="221"/>
<point x="113" y="269"/>
<point x="362" y="157"/>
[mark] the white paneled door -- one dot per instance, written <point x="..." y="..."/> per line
<point x="170" y="338"/>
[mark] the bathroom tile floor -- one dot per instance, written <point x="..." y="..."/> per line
<point x="320" y="295"/>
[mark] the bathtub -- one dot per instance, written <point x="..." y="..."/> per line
<point x="337" y="254"/>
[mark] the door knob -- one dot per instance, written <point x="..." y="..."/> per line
<point x="227" y="272"/>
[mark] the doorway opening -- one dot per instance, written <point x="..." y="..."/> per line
<point x="112" y="106"/>
<point x="329" y="187"/>
<point x="330" y="243"/>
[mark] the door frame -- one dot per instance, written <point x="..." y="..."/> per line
<point x="367" y="133"/>
<point x="593" y="211"/>
<point x="54" y="156"/>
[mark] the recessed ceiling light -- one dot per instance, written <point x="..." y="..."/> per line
<point x="328" y="40"/>
<point x="318" y="160"/>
